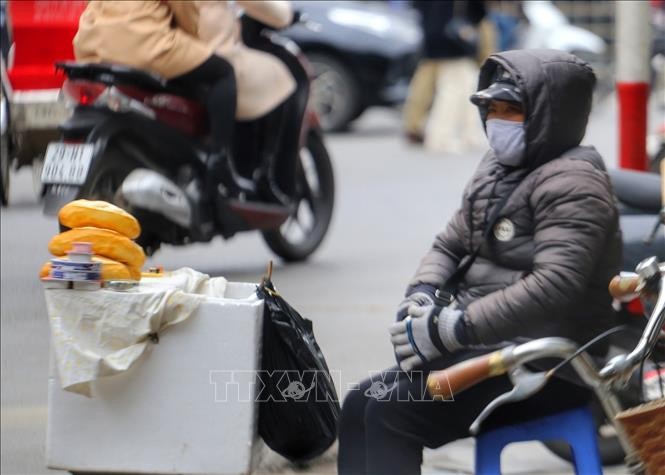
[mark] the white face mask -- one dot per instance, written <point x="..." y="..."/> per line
<point x="506" y="137"/>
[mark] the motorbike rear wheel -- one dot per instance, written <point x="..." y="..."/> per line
<point x="107" y="176"/>
<point x="104" y="185"/>
<point x="304" y="230"/>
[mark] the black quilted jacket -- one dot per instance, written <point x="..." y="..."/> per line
<point x="545" y="268"/>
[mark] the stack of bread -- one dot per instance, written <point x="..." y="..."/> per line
<point x="109" y="229"/>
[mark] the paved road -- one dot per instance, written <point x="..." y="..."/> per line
<point x="392" y="198"/>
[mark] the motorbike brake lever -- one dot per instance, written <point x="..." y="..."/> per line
<point x="616" y="368"/>
<point x="526" y="383"/>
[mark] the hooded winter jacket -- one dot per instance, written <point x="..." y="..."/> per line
<point x="545" y="267"/>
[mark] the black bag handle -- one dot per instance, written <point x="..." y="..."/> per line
<point x="446" y="293"/>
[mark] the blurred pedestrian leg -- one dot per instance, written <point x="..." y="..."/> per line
<point x="454" y="125"/>
<point x="450" y="36"/>
<point x="488" y="40"/>
<point x="419" y="99"/>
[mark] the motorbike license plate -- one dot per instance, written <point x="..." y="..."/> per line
<point x="66" y="164"/>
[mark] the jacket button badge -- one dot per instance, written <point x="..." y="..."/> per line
<point x="504" y="230"/>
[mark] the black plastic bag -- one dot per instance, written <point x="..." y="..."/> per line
<point x="298" y="405"/>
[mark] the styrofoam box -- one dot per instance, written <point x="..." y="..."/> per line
<point x="168" y="413"/>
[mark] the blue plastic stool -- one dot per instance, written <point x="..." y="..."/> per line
<point x="576" y="427"/>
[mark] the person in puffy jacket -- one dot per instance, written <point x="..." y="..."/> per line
<point x="543" y="260"/>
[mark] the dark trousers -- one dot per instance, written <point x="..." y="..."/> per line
<point x="385" y="424"/>
<point x="281" y="126"/>
<point x="281" y="142"/>
<point x="216" y="75"/>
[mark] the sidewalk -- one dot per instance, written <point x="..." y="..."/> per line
<point x="526" y="458"/>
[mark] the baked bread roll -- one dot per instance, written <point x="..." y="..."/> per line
<point x="111" y="270"/>
<point x="105" y="243"/>
<point x="134" y="272"/>
<point x="99" y="214"/>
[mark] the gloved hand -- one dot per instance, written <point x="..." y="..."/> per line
<point x="418" y="296"/>
<point x="427" y="333"/>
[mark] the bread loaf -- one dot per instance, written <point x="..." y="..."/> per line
<point x="105" y="243"/>
<point x="99" y="214"/>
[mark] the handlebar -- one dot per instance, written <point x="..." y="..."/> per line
<point x="457" y="378"/>
<point x="625" y="286"/>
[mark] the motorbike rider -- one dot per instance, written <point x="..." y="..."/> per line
<point x="542" y="266"/>
<point x="181" y="42"/>
<point x="265" y="85"/>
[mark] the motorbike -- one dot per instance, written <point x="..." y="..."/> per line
<point x="140" y="142"/>
<point x="607" y="378"/>
<point x="547" y="27"/>
<point x="642" y="219"/>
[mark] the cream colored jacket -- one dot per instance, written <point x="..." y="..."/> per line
<point x="156" y="35"/>
<point x="263" y="81"/>
<point x="172" y="37"/>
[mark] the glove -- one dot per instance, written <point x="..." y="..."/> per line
<point x="427" y="333"/>
<point x="418" y="296"/>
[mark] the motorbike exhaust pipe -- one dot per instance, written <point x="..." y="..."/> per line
<point x="147" y="189"/>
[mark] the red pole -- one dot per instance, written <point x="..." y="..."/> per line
<point x="632" y="49"/>
<point x="633" y="98"/>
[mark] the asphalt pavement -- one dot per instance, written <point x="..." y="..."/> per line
<point x="391" y="200"/>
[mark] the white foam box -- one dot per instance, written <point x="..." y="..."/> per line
<point x="172" y="411"/>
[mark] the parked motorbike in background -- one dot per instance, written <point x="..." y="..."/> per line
<point x="642" y="221"/>
<point x="547" y="27"/>
<point x="32" y="108"/>
<point x="138" y="141"/>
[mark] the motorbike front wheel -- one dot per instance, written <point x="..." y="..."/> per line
<point x="304" y="230"/>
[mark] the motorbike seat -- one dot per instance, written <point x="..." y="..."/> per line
<point x="638" y="190"/>
<point x="114" y="74"/>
